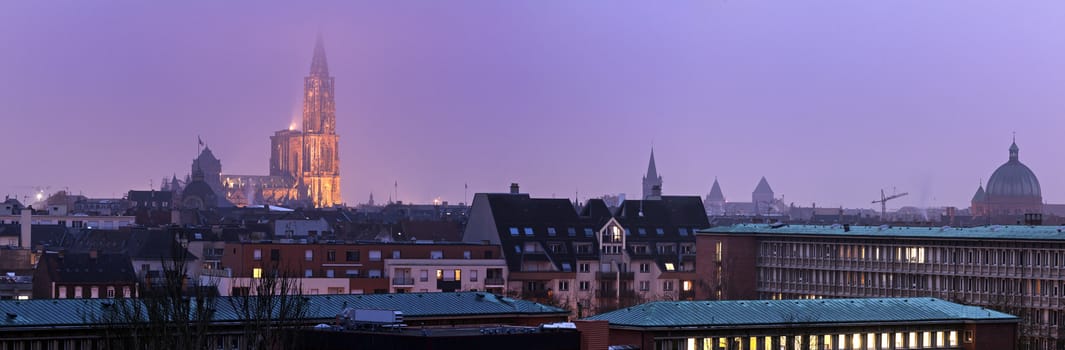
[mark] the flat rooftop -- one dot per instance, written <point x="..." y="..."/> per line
<point x="705" y="314"/>
<point x="994" y="232"/>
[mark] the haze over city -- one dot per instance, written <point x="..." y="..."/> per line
<point x="831" y="101"/>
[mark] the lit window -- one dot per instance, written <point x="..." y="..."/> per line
<point x="670" y="267"/>
<point x="686" y="286"/>
<point x="23" y="297"/>
<point x="257" y="273"/>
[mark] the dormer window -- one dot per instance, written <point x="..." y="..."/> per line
<point x="514" y="231"/>
<point x="528" y="231"/>
<point x="659" y="231"/>
<point x="572" y="232"/>
<point x="551" y="231"/>
<point x="589" y="232"/>
<point x="642" y="231"/>
<point x="682" y="231"/>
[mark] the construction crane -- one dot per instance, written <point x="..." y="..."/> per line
<point x="883" y="202"/>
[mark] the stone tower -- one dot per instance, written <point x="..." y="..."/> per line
<point x="319" y="175"/>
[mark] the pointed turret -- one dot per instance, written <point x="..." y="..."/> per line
<point x="652" y="182"/>
<point x="763" y="186"/>
<point x="980" y="195"/>
<point x="715" y="193"/>
<point x="763" y="196"/>
<point x="319" y="66"/>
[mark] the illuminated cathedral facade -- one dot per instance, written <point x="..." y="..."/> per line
<point x="304" y="164"/>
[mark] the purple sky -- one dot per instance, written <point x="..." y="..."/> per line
<point x="830" y="100"/>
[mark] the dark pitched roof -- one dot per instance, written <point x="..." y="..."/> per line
<point x="82" y="268"/>
<point x="150" y="196"/>
<point x="520" y="219"/>
<point x="672" y="211"/>
<point x="447" y="231"/>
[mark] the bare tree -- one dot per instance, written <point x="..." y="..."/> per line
<point x="270" y="313"/>
<point x="175" y="313"/>
<point x="169" y="314"/>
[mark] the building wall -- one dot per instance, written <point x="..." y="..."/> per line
<point x="1022" y="278"/>
<point x="362" y="266"/>
<point x="406" y="275"/>
<point x="944" y="335"/>
<point x="75" y="221"/>
<point x="727" y="266"/>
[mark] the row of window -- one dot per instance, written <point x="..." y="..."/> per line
<point x="917" y="254"/>
<point x="941" y="339"/>
<point x="585" y="286"/>
<point x="588" y="232"/>
<point x="582" y="248"/>
<point x="93" y="292"/>
<point x="356" y="255"/>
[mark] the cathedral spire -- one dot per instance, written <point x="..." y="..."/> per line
<point x="319" y="66"/>
<point x="652" y="171"/>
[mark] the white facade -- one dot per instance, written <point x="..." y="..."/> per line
<point x="423" y="275"/>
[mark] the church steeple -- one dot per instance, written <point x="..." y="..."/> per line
<point x="652" y="182"/>
<point x="318" y="176"/>
<point x="319" y="66"/>
<point x="652" y="172"/>
<point x="319" y="107"/>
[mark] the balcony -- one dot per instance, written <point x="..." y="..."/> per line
<point x="610" y="276"/>
<point x="448" y="286"/>
<point x="534" y="294"/>
<point x="613" y="293"/>
<point x="402" y="281"/>
<point x="493" y="281"/>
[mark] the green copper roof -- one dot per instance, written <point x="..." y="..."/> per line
<point x="996" y="232"/>
<point x="74" y="312"/>
<point x="812" y="311"/>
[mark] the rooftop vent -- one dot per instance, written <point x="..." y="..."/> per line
<point x="513" y="188"/>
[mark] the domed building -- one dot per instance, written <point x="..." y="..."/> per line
<point x="1012" y="190"/>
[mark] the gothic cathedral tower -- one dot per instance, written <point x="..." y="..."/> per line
<point x="319" y="175"/>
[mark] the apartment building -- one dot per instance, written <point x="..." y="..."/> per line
<point x="1019" y="270"/>
<point x="593" y="258"/>
<point x="360" y="267"/>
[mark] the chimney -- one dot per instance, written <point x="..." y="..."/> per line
<point x="26" y="226"/>
<point x="513" y="188"/>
